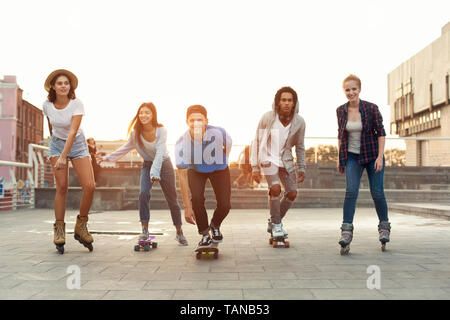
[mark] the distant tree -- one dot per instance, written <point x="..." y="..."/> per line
<point x="326" y="154"/>
<point x="395" y="157"/>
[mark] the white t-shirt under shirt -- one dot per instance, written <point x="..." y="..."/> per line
<point x="354" y="129"/>
<point x="60" y="119"/>
<point x="279" y="135"/>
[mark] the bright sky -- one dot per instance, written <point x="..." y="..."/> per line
<point x="230" y="56"/>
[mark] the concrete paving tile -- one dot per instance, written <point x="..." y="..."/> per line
<point x="422" y="294"/>
<point x="208" y="295"/>
<point x="52" y="294"/>
<point x="21" y="294"/>
<point x="277" y="294"/>
<point x="178" y="284"/>
<point x="347" y="294"/>
<point x="324" y="275"/>
<point x="312" y="268"/>
<point x="239" y="284"/>
<point x="139" y="295"/>
<point x="423" y="283"/>
<point x="209" y="276"/>
<point x="113" y="285"/>
<point x="302" y="284"/>
<point x="362" y="284"/>
<point x="266" y="275"/>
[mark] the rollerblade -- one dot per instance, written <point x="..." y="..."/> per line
<point x="384" y="229"/>
<point x="346" y="238"/>
<point x="59" y="239"/>
<point x="82" y="234"/>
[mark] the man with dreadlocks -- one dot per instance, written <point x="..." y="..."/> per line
<point x="278" y="132"/>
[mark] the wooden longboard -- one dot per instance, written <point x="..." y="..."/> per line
<point x="212" y="250"/>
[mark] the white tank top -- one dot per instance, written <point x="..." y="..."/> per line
<point x="354" y="129"/>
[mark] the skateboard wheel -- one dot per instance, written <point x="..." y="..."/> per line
<point x="198" y="255"/>
<point x="216" y="255"/>
<point x="270" y="240"/>
<point x="274" y="244"/>
<point x="154" y="245"/>
<point x="136" y="247"/>
<point x="147" y="247"/>
<point x="287" y="244"/>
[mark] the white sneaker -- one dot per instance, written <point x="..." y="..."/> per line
<point x="277" y="231"/>
<point x="284" y="231"/>
<point x="144" y="235"/>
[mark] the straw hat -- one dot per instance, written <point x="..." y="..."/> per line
<point x="73" y="79"/>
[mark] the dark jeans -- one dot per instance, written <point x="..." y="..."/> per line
<point x="353" y="173"/>
<point x="167" y="184"/>
<point x="220" y="182"/>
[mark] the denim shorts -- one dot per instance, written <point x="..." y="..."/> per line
<point x="79" y="147"/>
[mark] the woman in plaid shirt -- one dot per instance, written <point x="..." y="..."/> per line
<point x="361" y="139"/>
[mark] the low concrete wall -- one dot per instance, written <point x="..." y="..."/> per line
<point x="317" y="177"/>
<point x="127" y="198"/>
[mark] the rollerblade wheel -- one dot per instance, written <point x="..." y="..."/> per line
<point x="345" y="250"/>
<point x="90" y="247"/>
<point x="136" y="247"/>
<point x="60" y="249"/>
<point x="383" y="247"/>
<point x="198" y="255"/>
<point x="216" y="255"/>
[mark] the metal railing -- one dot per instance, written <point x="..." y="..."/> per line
<point x="15" y="195"/>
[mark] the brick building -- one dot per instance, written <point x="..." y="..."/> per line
<point x="21" y="123"/>
<point x="418" y="93"/>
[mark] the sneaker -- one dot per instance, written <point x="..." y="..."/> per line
<point x="216" y="234"/>
<point x="284" y="231"/>
<point x="181" y="239"/>
<point x="277" y="231"/>
<point x="205" y="242"/>
<point x="144" y="235"/>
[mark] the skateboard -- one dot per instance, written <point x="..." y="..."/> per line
<point x="146" y="244"/>
<point x="211" y="251"/>
<point x="279" y="242"/>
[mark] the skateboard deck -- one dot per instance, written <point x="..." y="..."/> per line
<point x="146" y="244"/>
<point x="211" y="251"/>
<point x="279" y="242"/>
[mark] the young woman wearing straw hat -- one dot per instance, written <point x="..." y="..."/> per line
<point x="64" y="113"/>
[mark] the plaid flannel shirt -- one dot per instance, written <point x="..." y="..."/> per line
<point x="372" y="128"/>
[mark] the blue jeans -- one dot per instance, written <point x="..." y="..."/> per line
<point x="167" y="184"/>
<point x="353" y="173"/>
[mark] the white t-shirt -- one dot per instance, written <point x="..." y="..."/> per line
<point x="60" y="119"/>
<point x="279" y="134"/>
